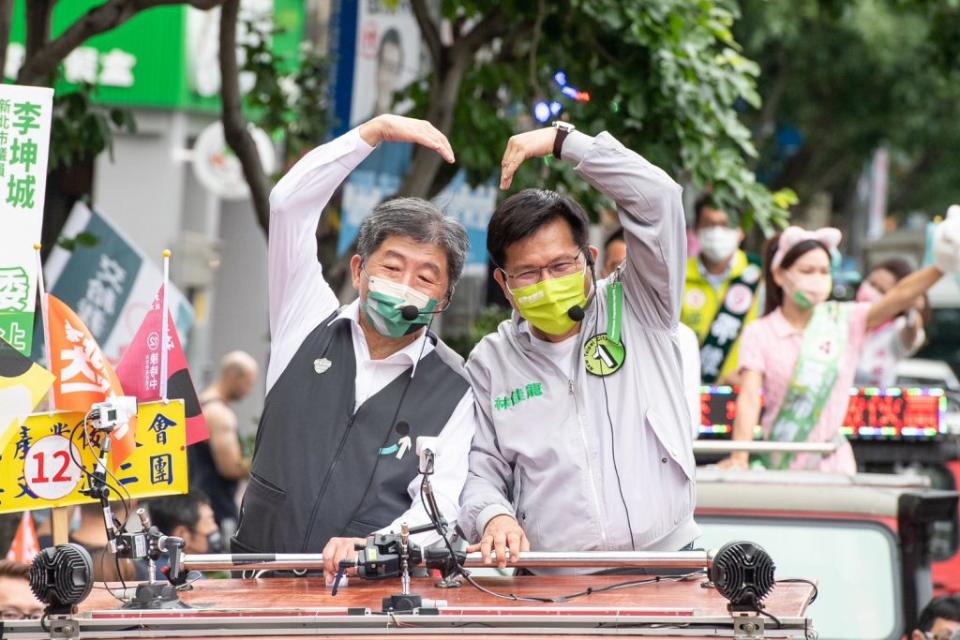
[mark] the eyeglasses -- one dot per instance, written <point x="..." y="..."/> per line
<point x="557" y="269"/>
<point x="943" y="635"/>
<point x="16" y="614"/>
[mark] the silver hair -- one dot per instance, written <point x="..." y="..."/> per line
<point x="421" y="221"/>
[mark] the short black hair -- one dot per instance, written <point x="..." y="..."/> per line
<point x="613" y="237"/>
<point x="523" y="213"/>
<point x="169" y="512"/>
<point x="947" y="608"/>
<point x="390" y="36"/>
<point x="702" y="203"/>
<point x="898" y="267"/>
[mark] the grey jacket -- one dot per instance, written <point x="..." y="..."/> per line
<point x="543" y="450"/>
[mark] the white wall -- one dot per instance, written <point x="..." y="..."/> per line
<point x="150" y="192"/>
<point x="240" y="310"/>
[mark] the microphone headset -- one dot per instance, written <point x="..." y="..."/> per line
<point x="410" y="312"/>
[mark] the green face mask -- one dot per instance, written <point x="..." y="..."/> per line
<point x="384" y="302"/>
<point x="545" y="304"/>
<point x="802" y="300"/>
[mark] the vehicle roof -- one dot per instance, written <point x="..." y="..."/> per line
<point x="805" y="491"/>
<point x="923" y="368"/>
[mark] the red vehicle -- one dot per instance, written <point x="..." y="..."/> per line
<point x="869" y="540"/>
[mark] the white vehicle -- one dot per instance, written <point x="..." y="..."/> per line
<point x="917" y="372"/>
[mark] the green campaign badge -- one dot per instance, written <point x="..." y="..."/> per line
<point x="602" y="355"/>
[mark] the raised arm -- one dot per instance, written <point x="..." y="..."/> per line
<point x="299" y="296"/>
<point x="650" y="209"/>
<point x="902" y="296"/>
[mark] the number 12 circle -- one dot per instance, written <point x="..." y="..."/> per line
<point x="50" y="469"/>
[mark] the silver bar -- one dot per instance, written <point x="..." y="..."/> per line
<point x="762" y="446"/>
<point x="531" y="559"/>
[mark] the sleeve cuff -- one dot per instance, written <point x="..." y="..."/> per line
<point x="359" y="143"/>
<point x="488" y="513"/>
<point x="575" y="147"/>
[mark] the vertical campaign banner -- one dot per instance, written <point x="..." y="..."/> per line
<point x="25" y="114"/>
<point x="386" y="42"/>
<point x="111" y="285"/>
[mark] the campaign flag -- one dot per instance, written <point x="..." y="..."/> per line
<point x="22" y="385"/>
<point x="139" y="369"/>
<point x="109" y="283"/>
<point x="83" y="376"/>
<point x="26" y="544"/>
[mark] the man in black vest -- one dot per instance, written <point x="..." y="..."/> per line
<point x="350" y="389"/>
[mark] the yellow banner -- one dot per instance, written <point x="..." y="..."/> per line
<point x="46" y="462"/>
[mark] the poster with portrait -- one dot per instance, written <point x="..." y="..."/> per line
<point x="389" y="56"/>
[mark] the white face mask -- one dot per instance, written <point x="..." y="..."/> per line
<point x="808" y="290"/>
<point x="718" y="243"/>
<point x="405" y="293"/>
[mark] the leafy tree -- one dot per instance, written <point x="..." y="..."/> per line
<point x="666" y="77"/>
<point x="289" y="98"/>
<point x="840" y="79"/>
<point x="80" y="129"/>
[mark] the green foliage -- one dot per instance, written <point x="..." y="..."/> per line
<point x="666" y="77"/>
<point x="485" y="323"/>
<point x="289" y="99"/>
<point x="81" y="130"/>
<point x="852" y="76"/>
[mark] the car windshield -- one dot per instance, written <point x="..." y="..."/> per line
<point x="854" y="563"/>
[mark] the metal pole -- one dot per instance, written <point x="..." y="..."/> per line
<point x="530" y="559"/>
<point x="762" y="446"/>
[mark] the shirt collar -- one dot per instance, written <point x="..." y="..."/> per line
<point x="781" y="327"/>
<point x="410" y="353"/>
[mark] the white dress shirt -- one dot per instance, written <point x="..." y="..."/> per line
<point x="300" y="299"/>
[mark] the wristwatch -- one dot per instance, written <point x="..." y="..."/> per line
<point x="563" y="128"/>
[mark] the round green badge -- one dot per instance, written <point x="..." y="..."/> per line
<point x="603" y="356"/>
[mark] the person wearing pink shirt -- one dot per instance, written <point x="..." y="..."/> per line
<point x="803" y="352"/>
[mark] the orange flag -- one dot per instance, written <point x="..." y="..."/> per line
<point x="25" y="545"/>
<point x="83" y="375"/>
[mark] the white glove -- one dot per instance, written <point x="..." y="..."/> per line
<point x="946" y="242"/>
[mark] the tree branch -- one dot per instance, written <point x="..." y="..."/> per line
<point x="445" y="86"/>
<point x="234" y="123"/>
<point x="492" y="25"/>
<point x="535" y="45"/>
<point x="428" y="29"/>
<point x="38" y="25"/>
<point x="6" y="17"/>
<point x="42" y="62"/>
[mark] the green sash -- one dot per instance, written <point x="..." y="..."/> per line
<point x="816" y="372"/>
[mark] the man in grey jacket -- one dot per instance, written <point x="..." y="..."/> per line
<point x="583" y="439"/>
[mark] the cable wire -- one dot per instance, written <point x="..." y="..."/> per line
<point x="606" y="405"/>
<point x="391" y="424"/>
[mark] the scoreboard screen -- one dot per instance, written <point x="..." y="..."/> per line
<point x="893" y="413"/>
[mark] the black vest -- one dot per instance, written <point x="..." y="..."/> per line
<point x="203" y="474"/>
<point x="315" y="456"/>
